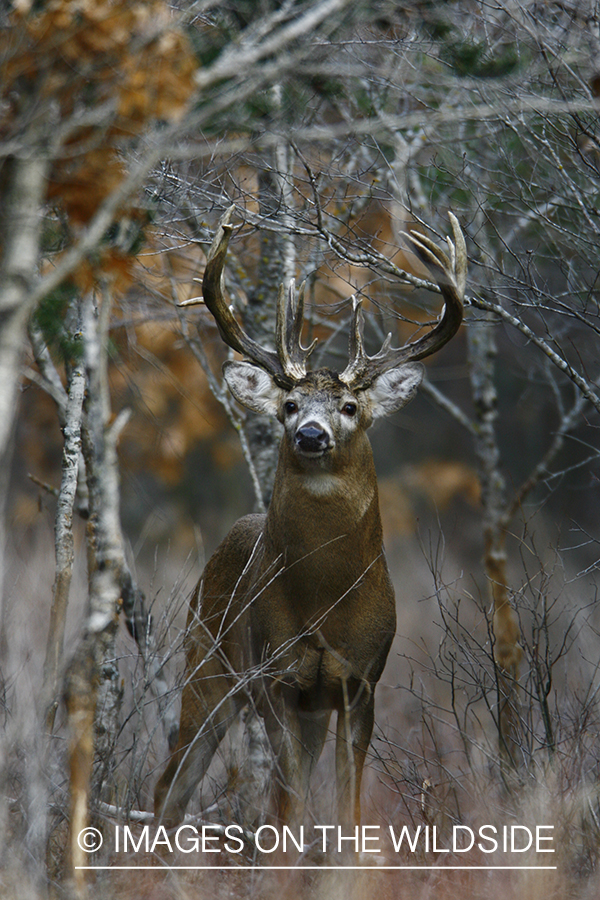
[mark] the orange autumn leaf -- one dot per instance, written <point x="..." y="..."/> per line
<point x="127" y="62"/>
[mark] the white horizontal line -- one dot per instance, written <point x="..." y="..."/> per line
<point x="336" y="868"/>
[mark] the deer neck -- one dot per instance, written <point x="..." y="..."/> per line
<point x="335" y="502"/>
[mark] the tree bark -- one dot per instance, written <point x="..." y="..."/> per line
<point x="22" y="194"/>
<point x="507" y="653"/>
<point x="83" y="678"/>
<point x="264" y="433"/>
<point x="63" y="529"/>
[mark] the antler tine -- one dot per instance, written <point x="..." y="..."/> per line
<point x="454" y="268"/>
<point x="359" y="371"/>
<point x="450" y="274"/>
<point x="230" y="330"/>
<point x="460" y="251"/>
<point x="356" y="350"/>
<point x="290" y="318"/>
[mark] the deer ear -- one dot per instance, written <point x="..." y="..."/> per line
<point x="394" y="389"/>
<point x="253" y="387"/>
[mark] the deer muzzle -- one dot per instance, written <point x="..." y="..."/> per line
<point x="312" y="438"/>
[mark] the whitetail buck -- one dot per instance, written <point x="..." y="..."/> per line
<point x="295" y="610"/>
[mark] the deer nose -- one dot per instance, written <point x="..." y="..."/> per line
<point x="312" y="438"/>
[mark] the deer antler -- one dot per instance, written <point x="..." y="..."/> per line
<point x="450" y="274"/>
<point x="290" y="318"/>
<point x="287" y="363"/>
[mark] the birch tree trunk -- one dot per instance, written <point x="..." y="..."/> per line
<point x="72" y="462"/>
<point x="104" y="544"/>
<point x="22" y="192"/>
<point x="507" y="653"/>
<point x="93" y="691"/>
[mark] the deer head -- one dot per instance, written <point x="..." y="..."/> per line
<point x="321" y="411"/>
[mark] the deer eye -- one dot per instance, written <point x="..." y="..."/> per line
<point x="349" y="409"/>
<point x="290" y="407"/>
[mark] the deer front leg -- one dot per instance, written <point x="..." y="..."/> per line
<point x="208" y="707"/>
<point x="297" y="739"/>
<point x="353" y="735"/>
